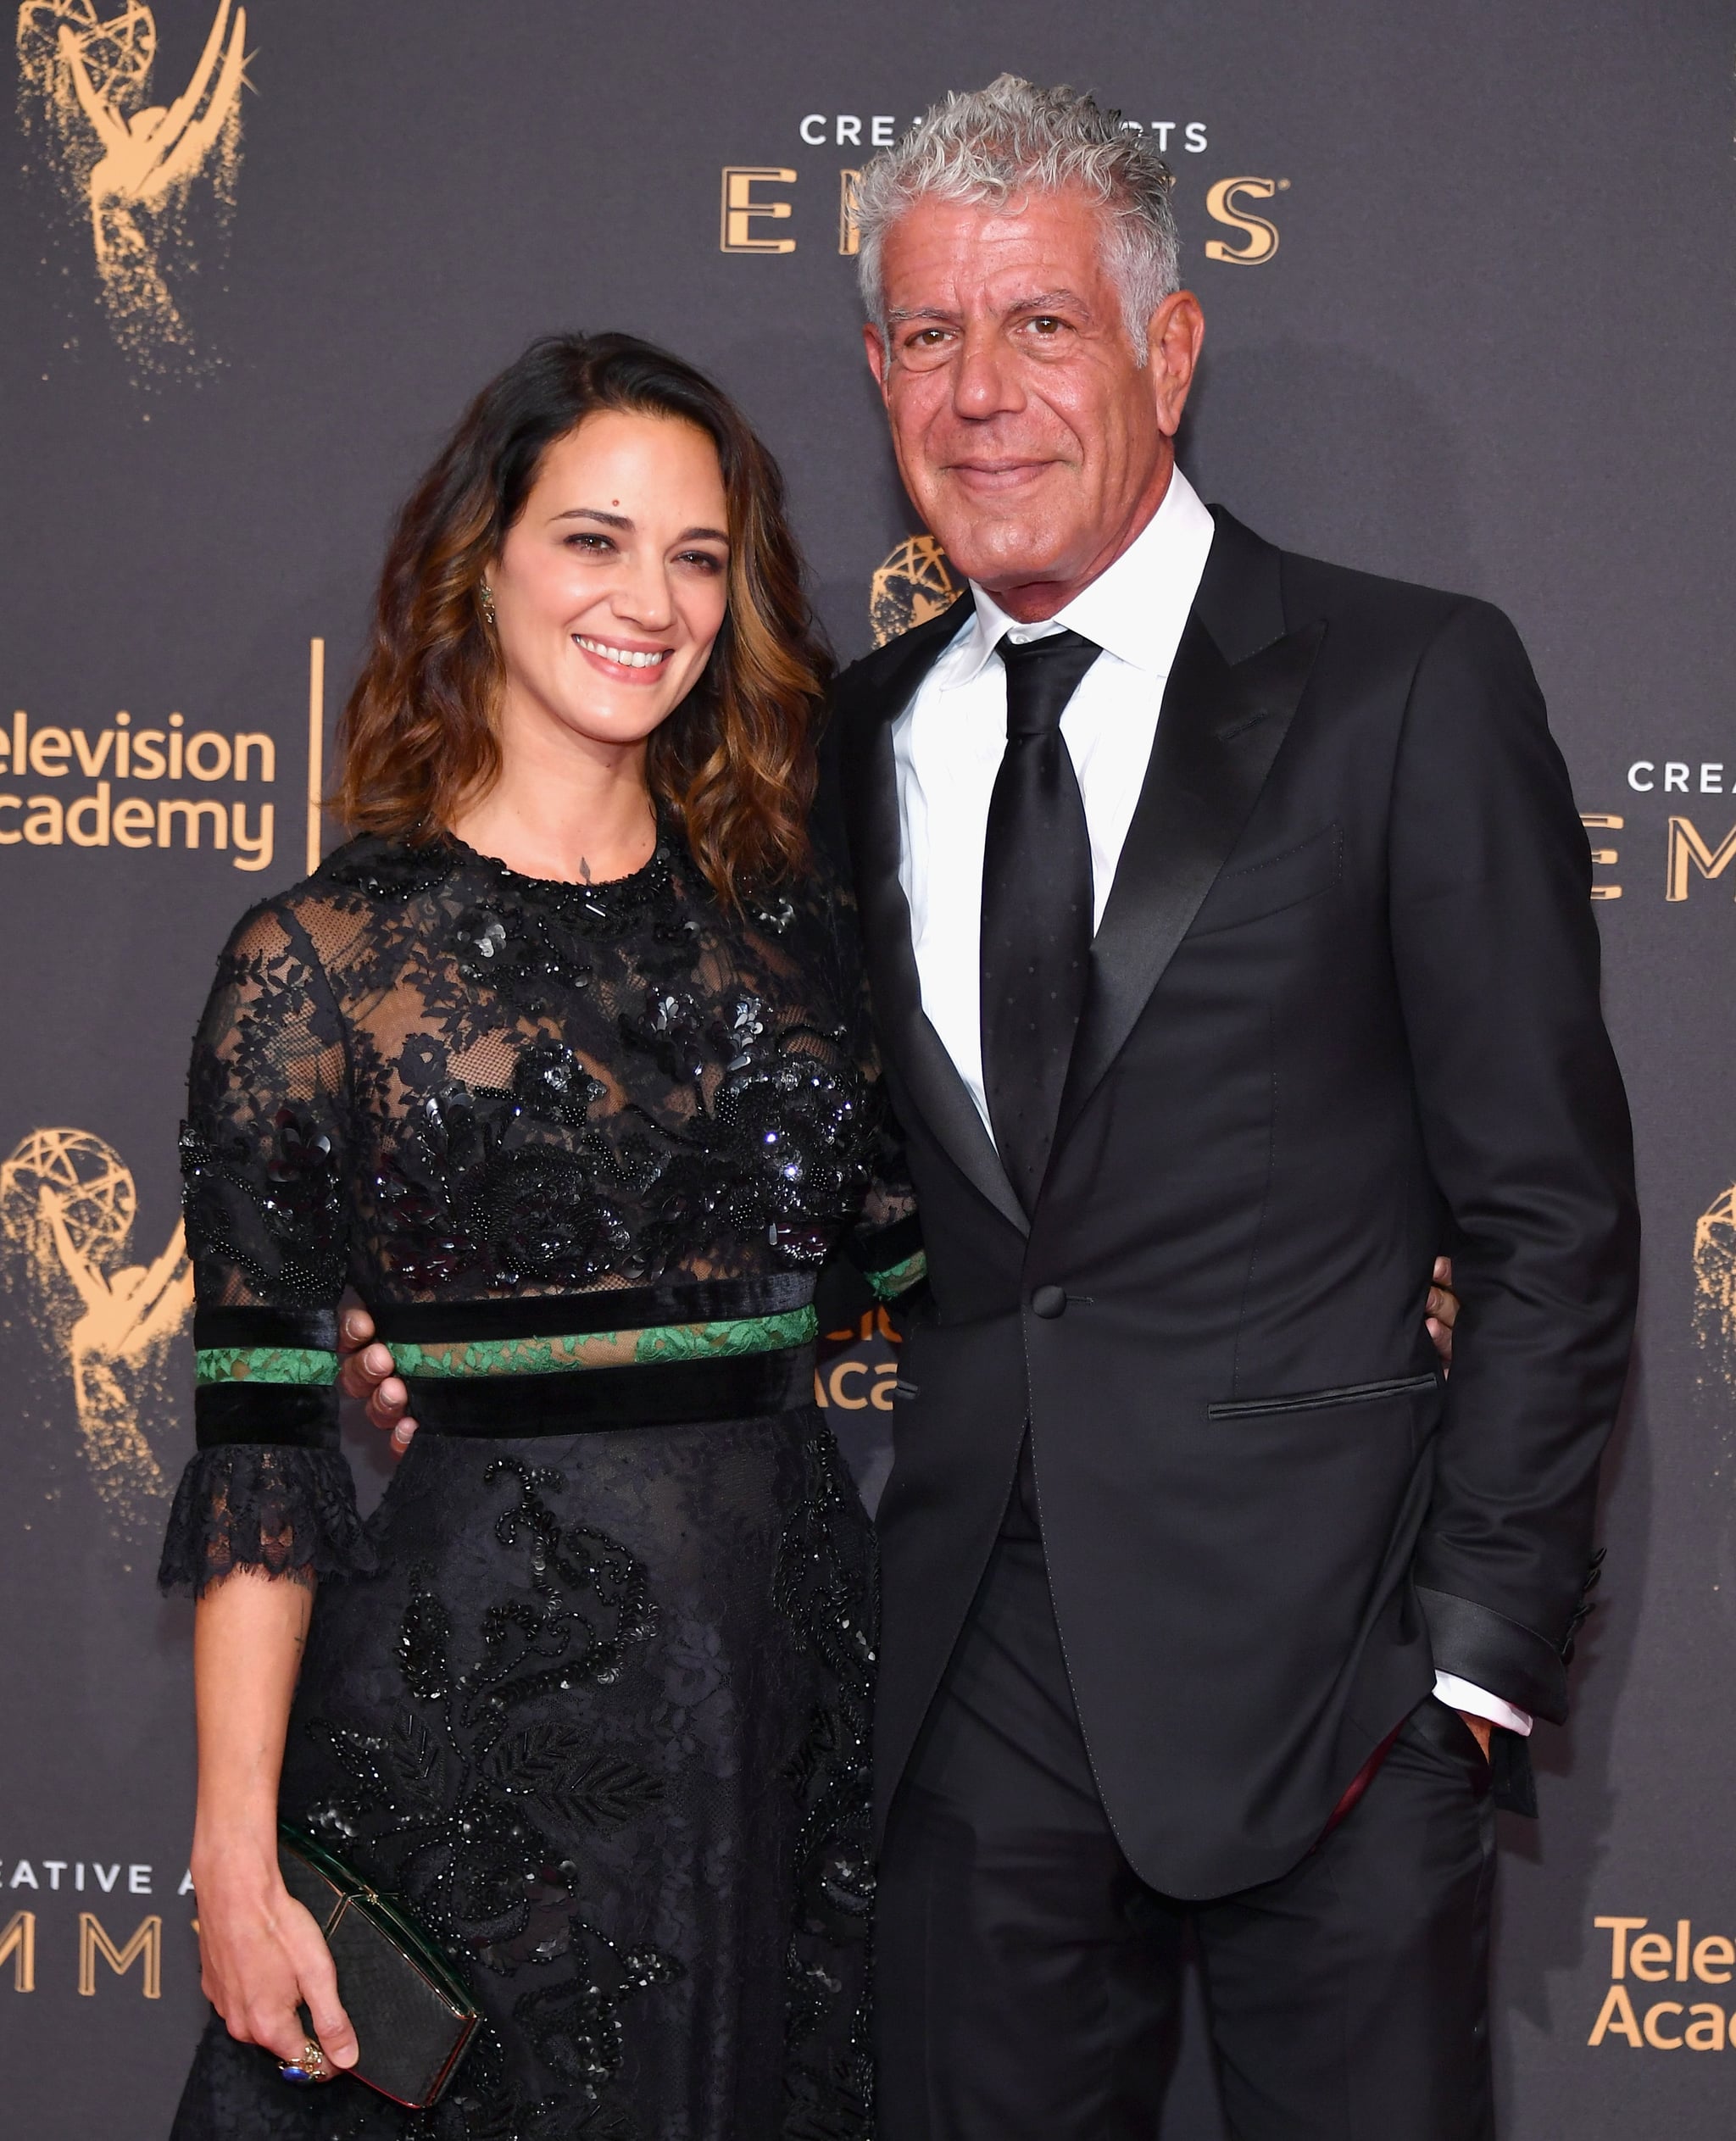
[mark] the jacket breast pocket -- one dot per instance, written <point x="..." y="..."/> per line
<point x="1296" y="873"/>
<point x="1343" y="1394"/>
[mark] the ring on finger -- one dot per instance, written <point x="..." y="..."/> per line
<point x="308" y="2066"/>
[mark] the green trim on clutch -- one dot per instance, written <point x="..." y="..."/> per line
<point x="300" y="1364"/>
<point x="610" y="1348"/>
<point x="899" y="1278"/>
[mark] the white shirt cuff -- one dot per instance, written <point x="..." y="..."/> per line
<point x="1464" y="1695"/>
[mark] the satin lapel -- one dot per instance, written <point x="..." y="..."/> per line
<point x="1217" y="734"/>
<point x="913" y="1050"/>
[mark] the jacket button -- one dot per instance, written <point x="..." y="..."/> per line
<point x="1049" y="1302"/>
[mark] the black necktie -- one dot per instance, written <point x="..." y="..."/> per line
<point x="1036" y="908"/>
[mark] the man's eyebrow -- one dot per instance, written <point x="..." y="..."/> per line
<point x="1041" y="301"/>
<point x="1050" y="301"/>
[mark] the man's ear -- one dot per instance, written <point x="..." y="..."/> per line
<point x="1173" y="341"/>
<point x="874" y="343"/>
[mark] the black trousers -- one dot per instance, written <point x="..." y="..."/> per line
<point x="1028" y="1982"/>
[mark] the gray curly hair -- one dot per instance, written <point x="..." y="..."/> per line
<point x="1013" y="138"/>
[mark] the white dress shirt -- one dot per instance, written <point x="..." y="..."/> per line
<point x="947" y="745"/>
<point x="947" y="748"/>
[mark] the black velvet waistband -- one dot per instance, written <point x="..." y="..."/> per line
<point x="626" y="1308"/>
<point x="582" y="1401"/>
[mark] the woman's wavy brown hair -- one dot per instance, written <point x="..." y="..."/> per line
<point x="734" y="764"/>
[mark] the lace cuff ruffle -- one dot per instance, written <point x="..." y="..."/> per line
<point x="245" y="1505"/>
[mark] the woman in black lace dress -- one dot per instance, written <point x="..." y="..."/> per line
<point x="560" y="1066"/>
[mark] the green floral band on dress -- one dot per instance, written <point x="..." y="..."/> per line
<point x="549" y="1356"/>
<point x="300" y="1364"/>
<point x="899" y="1278"/>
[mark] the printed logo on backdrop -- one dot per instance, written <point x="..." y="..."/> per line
<point x="1715" y="1294"/>
<point x="1678" y="839"/>
<point x="150" y="186"/>
<point x="156" y="783"/>
<point x="776" y="206"/>
<point x="914" y="583"/>
<point x="1671" y="1984"/>
<point x="103" y="1324"/>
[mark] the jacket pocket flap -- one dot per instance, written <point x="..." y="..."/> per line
<point x="1343" y="1394"/>
<point x="1300" y="872"/>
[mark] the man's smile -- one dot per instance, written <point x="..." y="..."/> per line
<point x="988" y="475"/>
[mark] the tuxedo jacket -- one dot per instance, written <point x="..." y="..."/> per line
<point x="1343" y="1015"/>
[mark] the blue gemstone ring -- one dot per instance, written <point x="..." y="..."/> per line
<point x="310" y="2067"/>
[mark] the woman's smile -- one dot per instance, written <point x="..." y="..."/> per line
<point x="623" y="663"/>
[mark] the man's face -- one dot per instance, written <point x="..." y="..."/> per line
<point x="1033" y="444"/>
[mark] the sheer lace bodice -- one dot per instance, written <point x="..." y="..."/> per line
<point x="430" y="1076"/>
<point x="425" y="1076"/>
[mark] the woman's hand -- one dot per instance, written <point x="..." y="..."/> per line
<point x="1442" y="1312"/>
<point x="262" y="1956"/>
<point x="260" y="1953"/>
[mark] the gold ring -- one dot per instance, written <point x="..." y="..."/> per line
<point x="309" y="2067"/>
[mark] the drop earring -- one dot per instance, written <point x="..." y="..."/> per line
<point x="484" y="596"/>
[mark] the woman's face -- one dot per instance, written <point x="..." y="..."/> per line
<point x="609" y="588"/>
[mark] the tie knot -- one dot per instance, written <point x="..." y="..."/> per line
<point x="1041" y="676"/>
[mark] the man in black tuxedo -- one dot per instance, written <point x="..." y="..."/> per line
<point x="1227" y="923"/>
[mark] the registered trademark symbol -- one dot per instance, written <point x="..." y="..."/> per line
<point x="1283" y="183"/>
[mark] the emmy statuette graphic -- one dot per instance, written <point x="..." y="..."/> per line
<point x="132" y="168"/>
<point x="68" y="1203"/>
<point x="914" y="584"/>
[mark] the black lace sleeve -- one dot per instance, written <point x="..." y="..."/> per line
<point x="262" y="1156"/>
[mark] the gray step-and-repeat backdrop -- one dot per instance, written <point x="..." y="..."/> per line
<point x="1466" y="271"/>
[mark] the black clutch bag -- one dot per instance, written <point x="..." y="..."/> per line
<point x="413" y="2016"/>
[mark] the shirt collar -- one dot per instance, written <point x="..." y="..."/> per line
<point x="1136" y="608"/>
